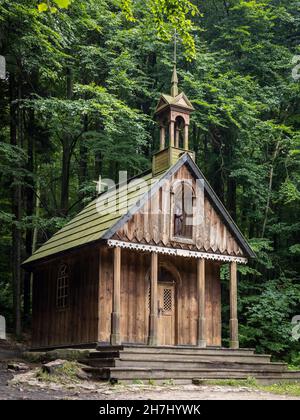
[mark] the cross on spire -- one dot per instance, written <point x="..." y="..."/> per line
<point x="174" y="80"/>
<point x="175" y="47"/>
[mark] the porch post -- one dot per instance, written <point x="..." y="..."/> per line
<point x="201" y="342"/>
<point x="234" y="336"/>
<point x="152" y="339"/>
<point x="115" y="315"/>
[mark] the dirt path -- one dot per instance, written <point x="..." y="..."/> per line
<point x="25" y="387"/>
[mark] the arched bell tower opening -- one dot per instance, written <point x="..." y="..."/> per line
<point x="173" y="116"/>
<point x="180" y="133"/>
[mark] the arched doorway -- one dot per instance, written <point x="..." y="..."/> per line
<point x="167" y="316"/>
<point x="166" y="296"/>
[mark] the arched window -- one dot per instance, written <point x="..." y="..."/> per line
<point x="62" y="286"/>
<point x="183" y="211"/>
<point x="179" y="132"/>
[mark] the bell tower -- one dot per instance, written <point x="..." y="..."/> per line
<point x="173" y="116"/>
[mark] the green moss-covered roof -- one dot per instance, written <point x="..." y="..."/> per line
<point x="90" y="225"/>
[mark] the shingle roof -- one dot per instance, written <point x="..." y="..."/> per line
<point x="180" y="100"/>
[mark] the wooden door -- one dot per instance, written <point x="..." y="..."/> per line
<point x="166" y="314"/>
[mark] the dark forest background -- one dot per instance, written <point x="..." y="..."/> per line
<point x="83" y="79"/>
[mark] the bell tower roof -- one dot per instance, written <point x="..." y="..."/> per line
<point x="176" y="99"/>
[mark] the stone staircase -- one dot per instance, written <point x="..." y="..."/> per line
<point x="182" y="365"/>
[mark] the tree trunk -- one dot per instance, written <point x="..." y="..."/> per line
<point x="231" y="197"/>
<point x="83" y="158"/>
<point x="65" y="178"/>
<point x="66" y="154"/>
<point x="29" y="212"/>
<point x="16" y="196"/>
<point x="270" y="189"/>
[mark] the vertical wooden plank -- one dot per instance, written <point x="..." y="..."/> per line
<point x="152" y="340"/>
<point x="106" y="294"/>
<point x="140" y="301"/>
<point x="99" y="293"/>
<point x="201" y="342"/>
<point x="208" y="304"/>
<point x="216" y="299"/>
<point x="234" y="340"/>
<point x="130" y="274"/>
<point x="115" y="315"/>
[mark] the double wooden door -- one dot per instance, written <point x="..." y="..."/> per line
<point x="166" y="314"/>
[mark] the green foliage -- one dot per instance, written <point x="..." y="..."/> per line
<point x="84" y="79"/>
<point x="249" y="382"/>
<point x="65" y="374"/>
<point x="48" y="5"/>
<point x="269" y="318"/>
<point x="283" y="388"/>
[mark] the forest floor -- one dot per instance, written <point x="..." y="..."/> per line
<point x="27" y="386"/>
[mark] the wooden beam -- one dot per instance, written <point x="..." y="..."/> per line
<point x="152" y="339"/>
<point x="99" y="294"/>
<point x="171" y="133"/>
<point x="177" y="137"/>
<point x="162" y="137"/>
<point x="186" y="137"/>
<point x="233" y="323"/>
<point x="201" y="340"/>
<point x="115" y="315"/>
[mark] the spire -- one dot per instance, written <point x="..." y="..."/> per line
<point x="174" y="82"/>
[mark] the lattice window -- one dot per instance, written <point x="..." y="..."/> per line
<point x="62" y="289"/>
<point x="168" y="301"/>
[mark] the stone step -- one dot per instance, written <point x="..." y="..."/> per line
<point x="115" y="374"/>
<point x="179" y="363"/>
<point x="186" y="357"/>
<point x="183" y="350"/>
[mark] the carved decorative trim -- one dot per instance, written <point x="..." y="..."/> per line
<point x="175" y="251"/>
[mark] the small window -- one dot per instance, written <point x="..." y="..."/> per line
<point x="183" y="211"/>
<point x="62" y="288"/>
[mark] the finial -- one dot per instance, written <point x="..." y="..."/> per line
<point x="174" y="80"/>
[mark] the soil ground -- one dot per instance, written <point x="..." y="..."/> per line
<point x="25" y="386"/>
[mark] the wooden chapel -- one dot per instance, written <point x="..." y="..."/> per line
<point x="140" y="265"/>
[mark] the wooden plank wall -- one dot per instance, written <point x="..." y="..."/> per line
<point x="135" y="281"/>
<point x="211" y="236"/>
<point x="134" y="318"/>
<point x="78" y="323"/>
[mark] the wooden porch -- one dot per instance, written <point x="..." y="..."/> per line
<point x="198" y="271"/>
<point x="182" y="364"/>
